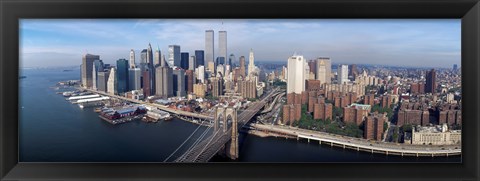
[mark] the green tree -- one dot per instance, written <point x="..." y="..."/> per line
<point x="407" y="128"/>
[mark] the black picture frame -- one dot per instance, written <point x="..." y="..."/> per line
<point x="11" y="11"/>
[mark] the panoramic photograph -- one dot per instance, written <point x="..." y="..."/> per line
<point x="240" y="90"/>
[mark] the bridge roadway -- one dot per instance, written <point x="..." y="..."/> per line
<point x="210" y="146"/>
<point x="362" y="144"/>
<point x="273" y="102"/>
<point x="170" y="110"/>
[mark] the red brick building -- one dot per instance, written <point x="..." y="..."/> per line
<point x="373" y="129"/>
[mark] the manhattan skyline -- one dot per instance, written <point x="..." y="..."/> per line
<point x="410" y="43"/>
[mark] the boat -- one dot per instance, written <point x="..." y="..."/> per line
<point x="22" y="77"/>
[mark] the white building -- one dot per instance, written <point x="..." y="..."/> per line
<point x="112" y="82"/>
<point x="251" y="63"/>
<point x="132" y="59"/>
<point x="342" y="74"/>
<point x="437" y="135"/>
<point x="324" y="70"/>
<point x="296" y="73"/>
<point x="191" y="63"/>
<point x="200" y="71"/>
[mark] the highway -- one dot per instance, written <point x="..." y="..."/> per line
<point x="362" y="144"/>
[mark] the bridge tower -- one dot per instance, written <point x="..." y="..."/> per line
<point x="228" y="116"/>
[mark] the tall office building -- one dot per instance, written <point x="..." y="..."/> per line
<point x="87" y="68"/>
<point x="94" y="77"/>
<point x="132" y="59"/>
<point x="242" y="66"/>
<point x="174" y="55"/>
<point x="217" y="86"/>
<point x="342" y="74"/>
<point x="143" y="60"/>
<point x="251" y="63"/>
<point x="200" y="70"/>
<point x="324" y="70"/>
<point x="199" y="58"/>
<point x="352" y="71"/>
<point x="455" y="67"/>
<point x="112" y="82"/>
<point x="179" y="82"/>
<point x="190" y="80"/>
<point x="122" y="76"/>
<point x="192" y="63"/>
<point x="430" y="84"/>
<point x="231" y="60"/>
<point x="147" y="85"/>
<point x="157" y="57"/>
<point x="149" y="54"/>
<point x="97" y="67"/>
<point x="184" y="60"/>
<point x="209" y="46"/>
<point x="222" y="45"/>
<point x="148" y="67"/>
<point x="102" y="81"/>
<point x="134" y="78"/>
<point x="164" y="81"/>
<point x="296" y="79"/>
<point x="163" y="62"/>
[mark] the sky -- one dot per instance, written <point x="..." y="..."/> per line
<point x="410" y="43"/>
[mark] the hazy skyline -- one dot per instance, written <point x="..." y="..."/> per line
<point x="421" y="43"/>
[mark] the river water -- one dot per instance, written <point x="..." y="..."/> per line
<point x="53" y="130"/>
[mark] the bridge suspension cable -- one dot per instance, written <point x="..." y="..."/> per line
<point x="188" y="138"/>
<point x="197" y="141"/>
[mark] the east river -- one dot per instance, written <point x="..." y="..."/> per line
<point x="53" y="130"/>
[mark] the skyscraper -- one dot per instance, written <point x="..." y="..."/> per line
<point x="192" y="63"/>
<point x="199" y="58"/>
<point x="431" y="84"/>
<point x="149" y="54"/>
<point x="157" y="58"/>
<point x="134" y="75"/>
<point x="164" y="81"/>
<point x="251" y="63"/>
<point x="201" y="73"/>
<point x="455" y="67"/>
<point x="146" y="82"/>
<point x="222" y="44"/>
<point x="342" y="74"/>
<point x="217" y="86"/>
<point x="102" y="81"/>
<point x="174" y="55"/>
<point x="132" y="59"/>
<point x="112" y="82"/>
<point x="190" y="78"/>
<point x="352" y="71"/>
<point x="179" y="82"/>
<point x="231" y="60"/>
<point x="324" y="69"/>
<point x="87" y="68"/>
<point x="143" y="59"/>
<point x="296" y="79"/>
<point x="209" y="46"/>
<point x="122" y="76"/>
<point x="97" y="67"/>
<point x="242" y="66"/>
<point x="184" y="60"/>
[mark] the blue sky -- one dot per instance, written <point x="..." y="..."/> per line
<point x="414" y="43"/>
